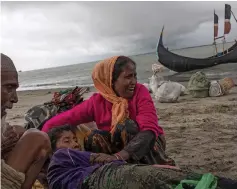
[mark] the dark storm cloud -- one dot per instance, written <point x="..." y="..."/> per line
<point x="45" y="34"/>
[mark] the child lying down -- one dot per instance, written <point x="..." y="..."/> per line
<point x="71" y="168"/>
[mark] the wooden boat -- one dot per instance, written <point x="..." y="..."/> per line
<point x="179" y="63"/>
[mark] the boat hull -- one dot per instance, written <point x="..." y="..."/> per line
<point x="179" y="63"/>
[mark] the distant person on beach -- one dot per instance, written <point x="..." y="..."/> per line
<point x="124" y="113"/>
<point x="23" y="152"/>
<point x="71" y="168"/>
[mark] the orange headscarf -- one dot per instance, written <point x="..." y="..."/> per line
<point x="102" y="77"/>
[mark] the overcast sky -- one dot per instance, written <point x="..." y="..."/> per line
<point x="48" y="34"/>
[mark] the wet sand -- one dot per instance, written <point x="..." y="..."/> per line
<point x="201" y="134"/>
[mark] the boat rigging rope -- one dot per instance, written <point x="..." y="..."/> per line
<point x="234" y="16"/>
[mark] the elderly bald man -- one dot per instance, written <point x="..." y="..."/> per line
<point x="23" y="152"/>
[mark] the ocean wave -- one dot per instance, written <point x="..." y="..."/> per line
<point x="48" y="86"/>
<point x="218" y="74"/>
<point x="72" y="83"/>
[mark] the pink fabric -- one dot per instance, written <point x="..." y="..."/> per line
<point x="141" y="109"/>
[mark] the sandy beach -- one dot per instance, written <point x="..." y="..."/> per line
<point x="201" y="134"/>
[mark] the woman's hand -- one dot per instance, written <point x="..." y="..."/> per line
<point x="102" y="158"/>
<point x="123" y="155"/>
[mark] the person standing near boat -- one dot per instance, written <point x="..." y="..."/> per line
<point x="23" y="152"/>
<point x="124" y="113"/>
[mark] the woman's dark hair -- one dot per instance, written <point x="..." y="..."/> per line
<point x="55" y="133"/>
<point x="119" y="65"/>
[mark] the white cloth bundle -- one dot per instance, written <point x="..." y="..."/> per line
<point x="155" y="82"/>
<point x="168" y="92"/>
<point x="215" y="89"/>
<point x="157" y="68"/>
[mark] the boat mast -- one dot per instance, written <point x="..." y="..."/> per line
<point x="227" y="25"/>
<point x="224" y="33"/>
<point x="215" y="30"/>
<point x="216" y="20"/>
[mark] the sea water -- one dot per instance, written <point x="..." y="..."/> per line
<point x="80" y="74"/>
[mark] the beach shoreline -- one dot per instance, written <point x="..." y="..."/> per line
<point x="201" y="134"/>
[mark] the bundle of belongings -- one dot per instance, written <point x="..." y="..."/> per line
<point x="200" y="86"/>
<point x="157" y="68"/>
<point x="61" y="101"/>
<point x="221" y="87"/>
<point x="165" y="91"/>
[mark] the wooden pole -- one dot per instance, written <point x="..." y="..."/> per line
<point x="215" y="45"/>
<point x="224" y="44"/>
<point x="219" y="37"/>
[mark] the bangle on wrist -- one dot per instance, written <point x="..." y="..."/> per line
<point x="115" y="155"/>
<point x="120" y="157"/>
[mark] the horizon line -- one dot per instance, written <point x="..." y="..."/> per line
<point x="150" y="52"/>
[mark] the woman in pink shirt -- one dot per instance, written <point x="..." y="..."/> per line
<point x="124" y="113"/>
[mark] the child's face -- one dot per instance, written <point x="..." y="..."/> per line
<point x="67" y="140"/>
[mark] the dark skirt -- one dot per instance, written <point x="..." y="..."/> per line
<point x="127" y="176"/>
<point x="114" y="176"/>
<point x="103" y="142"/>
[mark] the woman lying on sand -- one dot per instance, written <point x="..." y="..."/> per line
<point x="124" y="113"/>
<point x="70" y="168"/>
